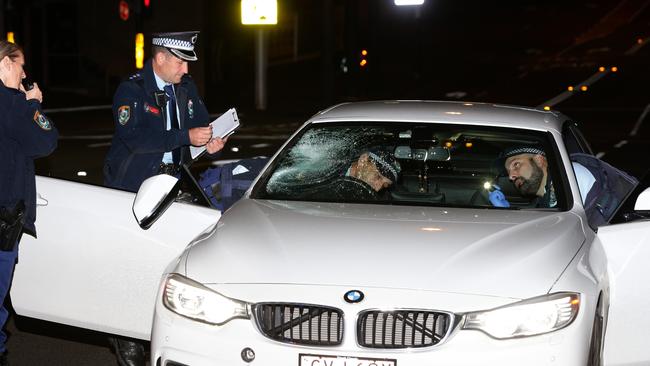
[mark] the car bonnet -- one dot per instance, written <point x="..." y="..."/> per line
<point x="510" y="253"/>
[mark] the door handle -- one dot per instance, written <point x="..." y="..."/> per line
<point x="40" y="201"/>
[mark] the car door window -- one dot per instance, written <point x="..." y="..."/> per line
<point x="575" y="143"/>
<point x="626" y="212"/>
<point x="574" y="140"/>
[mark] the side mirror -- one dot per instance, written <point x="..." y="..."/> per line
<point x="155" y="195"/>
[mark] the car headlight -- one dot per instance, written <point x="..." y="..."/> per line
<point x="530" y="317"/>
<point x="195" y="301"/>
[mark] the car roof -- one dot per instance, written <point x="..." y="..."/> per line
<point x="443" y="112"/>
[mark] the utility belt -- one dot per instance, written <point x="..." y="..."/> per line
<point x="11" y="226"/>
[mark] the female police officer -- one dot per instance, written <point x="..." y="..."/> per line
<point x="25" y="134"/>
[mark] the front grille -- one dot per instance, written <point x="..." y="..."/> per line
<point x="300" y="323"/>
<point x="402" y="328"/>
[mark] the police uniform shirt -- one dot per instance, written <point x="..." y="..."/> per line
<point x="25" y="134"/>
<point x="585" y="179"/>
<point x="142" y="136"/>
<point x="167" y="157"/>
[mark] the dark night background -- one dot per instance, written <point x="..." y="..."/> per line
<point x="518" y="52"/>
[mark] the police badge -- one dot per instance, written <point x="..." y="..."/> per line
<point x="190" y="108"/>
<point x="123" y="114"/>
<point x="42" y="121"/>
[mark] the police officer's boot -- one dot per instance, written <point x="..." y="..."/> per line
<point x="128" y="352"/>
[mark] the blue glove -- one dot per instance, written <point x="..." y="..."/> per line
<point x="497" y="198"/>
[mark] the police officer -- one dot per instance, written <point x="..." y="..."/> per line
<point x="527" y="168"/>
<point x="158" y="114"/>
<point x="25" y="134"/>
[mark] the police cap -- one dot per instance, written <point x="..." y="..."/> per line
<point x="385" y="162"/>
<point x="180" y="44"/>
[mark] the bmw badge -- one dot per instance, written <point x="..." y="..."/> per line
<point x="353" y="296"/>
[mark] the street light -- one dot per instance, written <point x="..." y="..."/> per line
<point x="260" y="13"/>
<point x="408" y="2"/>
<point x="139" y="51"/>
<point x="364" y="60"/>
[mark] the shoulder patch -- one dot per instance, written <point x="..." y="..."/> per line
<point x="190" y="108"/>
<point x="42" y="121"/>
<point x="124" y="114"/>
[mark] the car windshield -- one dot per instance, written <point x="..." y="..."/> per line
<point x="409" y="164"/>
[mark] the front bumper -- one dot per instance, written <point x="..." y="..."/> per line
<point x="188" y="342"/>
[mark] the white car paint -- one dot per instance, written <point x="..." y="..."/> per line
<point x="291" y="237"/>
<point x="94" y="268"/>
<point x="627" y="249"/>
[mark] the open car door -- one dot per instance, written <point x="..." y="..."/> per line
<point x="627" y="250"/>
<point x="92" y="266"/>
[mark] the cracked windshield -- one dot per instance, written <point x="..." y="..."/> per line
<point x="410" y="163"/>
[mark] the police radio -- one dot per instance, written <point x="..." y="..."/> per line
<point x="161" y="98"/>
<point x="28" y="84"/>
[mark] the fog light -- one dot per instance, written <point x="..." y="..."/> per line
<point x="247" y="354"/>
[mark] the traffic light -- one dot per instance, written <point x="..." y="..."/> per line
<point x="147" y="8"/>
<point x="124" y="10"/>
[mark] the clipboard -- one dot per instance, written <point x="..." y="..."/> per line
<point x="224" y="126"/>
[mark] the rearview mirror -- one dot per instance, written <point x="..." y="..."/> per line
<point x="430" y="154"/>
<point x="438" y="154"/>
<point x="155" y="195"/>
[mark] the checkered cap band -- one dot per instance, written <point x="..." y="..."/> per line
<point x="524" y="150"/>
<point x="386" y="169"/>
<point x="173" y="43"/>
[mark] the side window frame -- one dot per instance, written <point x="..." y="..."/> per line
<point x="574" y="140"/>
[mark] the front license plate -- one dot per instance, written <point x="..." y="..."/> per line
<point x="322" y="360"/>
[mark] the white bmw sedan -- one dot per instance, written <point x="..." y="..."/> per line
<point x="373" y="237"/>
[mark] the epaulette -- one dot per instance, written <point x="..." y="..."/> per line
<point x="136" y="76"/>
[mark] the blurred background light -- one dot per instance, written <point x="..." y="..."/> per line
<point x="259" y="12"/>
<point x="408" y="2"/>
